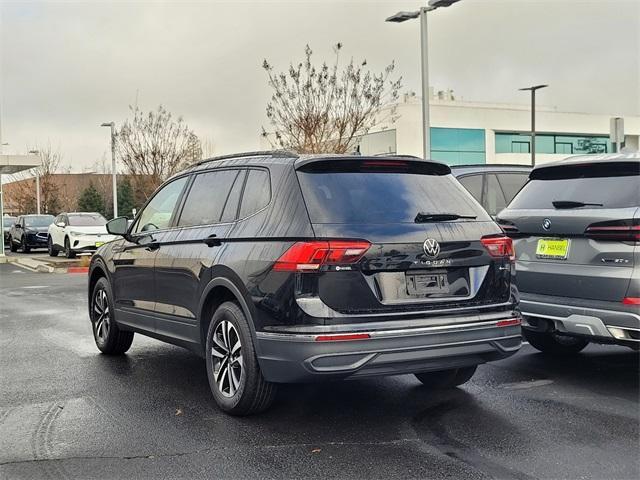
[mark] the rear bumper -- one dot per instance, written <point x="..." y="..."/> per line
<point x="605" y="322"/>
<point x="433" y="345"/>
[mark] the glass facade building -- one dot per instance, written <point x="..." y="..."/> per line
<point x="512" y="142"/>
<point x="466" y="146"/>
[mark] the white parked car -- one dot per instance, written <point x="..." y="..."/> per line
<point x="77" y="232"/>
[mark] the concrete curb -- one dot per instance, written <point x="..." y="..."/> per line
<point x="35" y="265"/>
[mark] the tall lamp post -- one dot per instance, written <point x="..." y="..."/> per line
<point x="113" y="165"/>
<point x="36" y="152"/>
<point x="424" y="55"/>
<point x="533" y="120"/>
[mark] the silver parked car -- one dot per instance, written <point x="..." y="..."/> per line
<point x="576" y="230"/>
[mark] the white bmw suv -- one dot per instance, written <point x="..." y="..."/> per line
<point x="77" y="232"/>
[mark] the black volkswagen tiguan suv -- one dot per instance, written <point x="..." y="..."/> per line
<point x="283" y="268"/>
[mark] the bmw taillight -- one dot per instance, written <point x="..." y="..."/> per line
<point x="499" y="247"/>
<point x="616" y="230"/>
<point x="310" y="256"/>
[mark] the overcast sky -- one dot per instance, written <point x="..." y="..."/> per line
<point x="69" y="66"/>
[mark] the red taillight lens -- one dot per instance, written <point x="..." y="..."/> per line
<point x="631" y="301"/>
<point x="509" y="323"/>
<point x="342" y="337"/>
<point x="620" y="230"/>
<point x="499" y="247"/>
<point x="310" y="256"/>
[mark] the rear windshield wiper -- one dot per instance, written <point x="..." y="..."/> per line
<point x="573" y="204"/>
<point x="422" y="217"/>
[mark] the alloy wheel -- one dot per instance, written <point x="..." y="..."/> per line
<point x="101" y="315"/>
<point x="226" y="354"/>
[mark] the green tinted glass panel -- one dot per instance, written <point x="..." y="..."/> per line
<point x="551" y="143"/>
<point x="457" y="139"/>
<point x="458" y="146"/>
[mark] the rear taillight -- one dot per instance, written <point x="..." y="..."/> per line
<point x="512" y="322"/>
<point x="344" y="337"/>
<point x="499" y="247"/>
<point x="310" y="256"/>
<point x="620" y="230"/>
<point x="631" y="301"/>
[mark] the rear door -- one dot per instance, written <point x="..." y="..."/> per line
<point x="187" y="252"/>
<point x="574" y="230"/>
<point x="416" y="259"/>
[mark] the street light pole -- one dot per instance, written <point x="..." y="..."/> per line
<point x="533" y="120"/>
<point x="36" y="152"/>
<point x="113" y="166"/>
<point x="424" y="58"/>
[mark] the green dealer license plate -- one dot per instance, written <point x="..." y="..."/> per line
<point x="555" y="248"/>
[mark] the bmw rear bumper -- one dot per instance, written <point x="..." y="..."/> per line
<point x="599" y="321"/>
<point x="318" y="353"/>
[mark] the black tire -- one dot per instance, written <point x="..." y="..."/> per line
<point x="23" y="245"/>
<point x="67" y="249"/>
<point x="53" y="251"/>
<point x="12" y="245"/>
<point x="108" y="337"/>
<point x="553" y="343"/>
<point x="445" y="379"/>
<point x="250" y="393"/>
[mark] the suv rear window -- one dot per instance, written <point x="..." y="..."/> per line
<point x="612" y="185"/>
<point x="385" y="196"/>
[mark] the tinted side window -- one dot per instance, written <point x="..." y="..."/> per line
<point x="473" y="183"/>
<point x="494" y="201"/>
<point x="512" y="183"/>
<point x="231" y="207"/>
<point x="157" y="214"/>
<point x="207" y="197"/>
<point x="257" y="192"/>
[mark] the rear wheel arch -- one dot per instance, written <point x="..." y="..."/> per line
<point x="218" y="291"/>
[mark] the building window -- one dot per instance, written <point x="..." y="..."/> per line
<point x="512" y="142"/>
<point x="378" y="143"/>
<point x="458" y="146"/>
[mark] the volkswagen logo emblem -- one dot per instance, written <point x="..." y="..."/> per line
<point x="546" y="224"/>
<point x="431" y="247"/>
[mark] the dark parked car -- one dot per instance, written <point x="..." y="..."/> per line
<point x="282" y="268"/>
<point x="7" y="223"/>
<point x="29" y="231"/>
<point x="494" y="186"/>
<point x="576" y="227"/>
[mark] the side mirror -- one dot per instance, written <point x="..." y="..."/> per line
<point x="61" y="224"/>
<point x="17" y="225"/>
<point x="118" y="226"/>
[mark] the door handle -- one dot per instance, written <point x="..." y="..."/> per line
<point x="152" y="247"/>
<point x="212" y="241"/>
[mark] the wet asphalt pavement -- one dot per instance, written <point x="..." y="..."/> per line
<point x="68" y="412"/>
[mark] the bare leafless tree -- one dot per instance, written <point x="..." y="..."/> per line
<point x="50" y="195"/>
<point x="153" y="146"/>
<point x="325" y="108"/>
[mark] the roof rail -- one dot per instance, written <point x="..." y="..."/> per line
<point x="259" y="153"/>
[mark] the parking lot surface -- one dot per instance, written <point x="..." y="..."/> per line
<point x="67" y="411"/>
